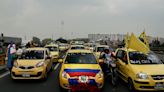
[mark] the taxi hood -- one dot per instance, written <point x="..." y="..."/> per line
<point x="54" y="53"/>
<point x="152" y="69"/>
<point x="28" y="62"/>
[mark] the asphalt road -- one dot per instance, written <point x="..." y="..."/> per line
<point x="50" y="85"/>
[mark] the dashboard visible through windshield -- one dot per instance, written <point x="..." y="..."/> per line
<point x="32" y="54"/>
<point x="140" y="58"/>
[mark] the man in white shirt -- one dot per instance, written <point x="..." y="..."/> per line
<point x="11" y="55"/>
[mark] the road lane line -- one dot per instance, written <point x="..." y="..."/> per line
<point x="56" y="66"/>
<point x="4" y="74"/>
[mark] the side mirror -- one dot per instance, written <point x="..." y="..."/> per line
<point x="60" y="60"/>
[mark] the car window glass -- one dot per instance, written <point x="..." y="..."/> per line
<point x="52" y="48"/>
<point x="80" y="58"/>
<point x="141" y="58"/>
<point x="124" y="57"/>
<point x="100" y="49"/>
<point x="119" y="54"/>
<point x="78" y="47"/>
<point x="32" y="54"/>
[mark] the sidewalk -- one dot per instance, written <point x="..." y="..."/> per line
<point x="2" y="67"/>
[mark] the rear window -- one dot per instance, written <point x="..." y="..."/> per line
<point x="52" y="48"/>
<point x="74" y="48"/>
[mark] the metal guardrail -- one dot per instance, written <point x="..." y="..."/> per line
<point x="159" y="50"/>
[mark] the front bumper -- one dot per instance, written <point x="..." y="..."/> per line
<point x="74" y="82"/>
<point x="149" y="85"/>
<point x="35" y="73"/>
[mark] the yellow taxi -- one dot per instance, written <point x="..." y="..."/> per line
<point x="54" y="51"/>
<point x="63" y="46"/>
<point x="99" y="49"/>
<point x="80" y="67"/>
<point x="77" y="42"/>
<point x="140" y="71"/>
<point x="34" y="63"/>
<point x="139" y="67"/>
<point x="89" y="46"/>
<point x="77" y="47"/>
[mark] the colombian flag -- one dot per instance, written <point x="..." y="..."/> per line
<point x="82" y="72"/>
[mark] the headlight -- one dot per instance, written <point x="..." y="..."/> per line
<point x="142" y="76"/>
<point x="15" y="64"/>
<point x="64" y="75"/>
<point x="100" y="74"/>
<point x="40" y="64"/>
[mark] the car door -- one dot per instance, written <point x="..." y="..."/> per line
<point x="122" y="64"/>
<point x="47" y="59"/>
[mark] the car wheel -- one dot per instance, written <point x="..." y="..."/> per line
<point x="63" y="90"/>
<point x="45" y="76"/>
<point x="131" y="85"/>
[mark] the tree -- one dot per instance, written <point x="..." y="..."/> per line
<point x="46" y="41"/>
<point x="36" y="40"/>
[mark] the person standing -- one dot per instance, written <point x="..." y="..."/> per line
<point x="11" y="55"/>
<point x="106" y="56"/>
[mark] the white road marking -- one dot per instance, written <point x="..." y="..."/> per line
<point x="56" y="66"/>
<point x="4" y="74"/>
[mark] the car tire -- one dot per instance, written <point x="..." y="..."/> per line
<point x="131" y="86"/>
<point x="45" y="76"/>
<point x="63" y="90"/>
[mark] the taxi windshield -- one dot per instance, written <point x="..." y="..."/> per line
<point x="78" y="47"/>
<point x="32" y="54"/>
<point x="140" y="58"/>
<point x="52" y="48"/>
<point x="80" y="58"/>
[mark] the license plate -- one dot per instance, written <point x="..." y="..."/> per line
<point x="26" y="75"/>
<point x="159" y="86"/>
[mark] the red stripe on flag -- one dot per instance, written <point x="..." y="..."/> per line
<point x="72" y="74"/>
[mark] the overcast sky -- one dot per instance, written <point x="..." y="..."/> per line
<point x="78" y="18"/>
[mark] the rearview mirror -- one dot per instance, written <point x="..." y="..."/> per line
<point x="60" y="60"/>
